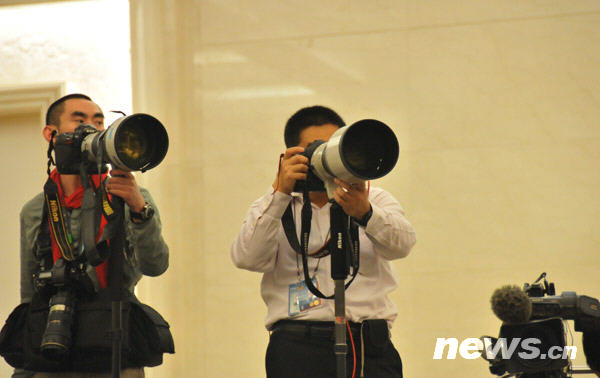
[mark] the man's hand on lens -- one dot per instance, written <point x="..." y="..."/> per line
<point x="122" y="184"/>
<point x="293" y="167"/>
<point x="354" y="199"/>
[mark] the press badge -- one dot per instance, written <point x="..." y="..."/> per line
<point x="301" y="299"/>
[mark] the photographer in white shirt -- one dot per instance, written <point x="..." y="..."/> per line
<point x="301" y="341"/>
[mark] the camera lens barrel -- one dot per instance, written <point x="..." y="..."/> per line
<point x="57" y="338"/>
<point x="366" y="150"/>
<point x="137" y="142"/>
<point x="133" y="143"/>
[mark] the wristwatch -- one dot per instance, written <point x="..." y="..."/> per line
<point x="146" y="213"/>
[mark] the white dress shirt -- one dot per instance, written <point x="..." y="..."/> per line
<point x="261" y="246"/>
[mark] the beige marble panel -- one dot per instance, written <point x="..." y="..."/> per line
<point x="232" y="21"/>
<point x="84" y="44"/>
<point x="22" y="160"/>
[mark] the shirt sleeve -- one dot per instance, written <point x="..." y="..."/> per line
<point x="30" y="220"/>
<point x="255" y="247"/>
<point x="151" y="251"/>
<point x="388" y="229"/>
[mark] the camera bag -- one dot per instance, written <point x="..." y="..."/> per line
<point x="146" y="336"/>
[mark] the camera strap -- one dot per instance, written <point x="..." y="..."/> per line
<point x="55" y="240"/>
<point x="43" y="243"/>
<point x="55" y="210"/>
<point x="49" y="153"/>
<point x="301" y="247"/>
<point x="94" y="206"/>
<point x="289" y="228"/>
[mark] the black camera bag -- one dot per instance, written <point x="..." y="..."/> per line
<point x="12" y="337"/>
<point x="146" y="336"/>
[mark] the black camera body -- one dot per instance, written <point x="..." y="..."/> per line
<point x="314" y="183"/>
<point x="63" y="273"/>
<point x="63" y="283"/>
<point x="69" y="154"/>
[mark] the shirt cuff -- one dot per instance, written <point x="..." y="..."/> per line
<point x="365" y="219"/>
<point x="377" y="220"/>
<point x="144" y="225"/>
<point x="278" y="204"/>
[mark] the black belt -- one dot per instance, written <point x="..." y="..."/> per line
<point x="310" y="328"/>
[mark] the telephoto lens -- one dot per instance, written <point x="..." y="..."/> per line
<point x="56" y="341"/>
<point x="137" y="142"/>
<point x="366" y="150"/>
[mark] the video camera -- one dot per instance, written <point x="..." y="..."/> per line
<point x="533" y="328"/>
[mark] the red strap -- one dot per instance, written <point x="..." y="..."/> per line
<point x="73" y="201"/>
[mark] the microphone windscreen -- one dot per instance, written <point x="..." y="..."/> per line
<point x="511" y="304"/>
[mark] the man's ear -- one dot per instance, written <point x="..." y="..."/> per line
<point x="47" y="132"/>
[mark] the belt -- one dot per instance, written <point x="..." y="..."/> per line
<point x="311" y="328"/>
<point x="308" y="328"/>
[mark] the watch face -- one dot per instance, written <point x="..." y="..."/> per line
<point x="146" y="213"/>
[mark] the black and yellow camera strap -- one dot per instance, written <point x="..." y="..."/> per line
<point x="43" y="244"/>
<point x="95" y="205"/>
<point x="56" y="219"/>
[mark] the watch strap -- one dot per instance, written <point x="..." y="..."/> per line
<point x="146" y="213"/>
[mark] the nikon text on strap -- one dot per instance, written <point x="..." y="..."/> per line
<point x="53" y="215"/>
<point x="56" y="219"/>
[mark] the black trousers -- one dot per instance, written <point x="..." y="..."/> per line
<point x="296" y="354"/>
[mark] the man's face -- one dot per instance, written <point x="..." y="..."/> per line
<point x="78" y="111"/>
<point x="312" y="133"/>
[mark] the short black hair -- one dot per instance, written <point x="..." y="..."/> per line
<point x="316" y="115"/>
<point x="57" y="107"/>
